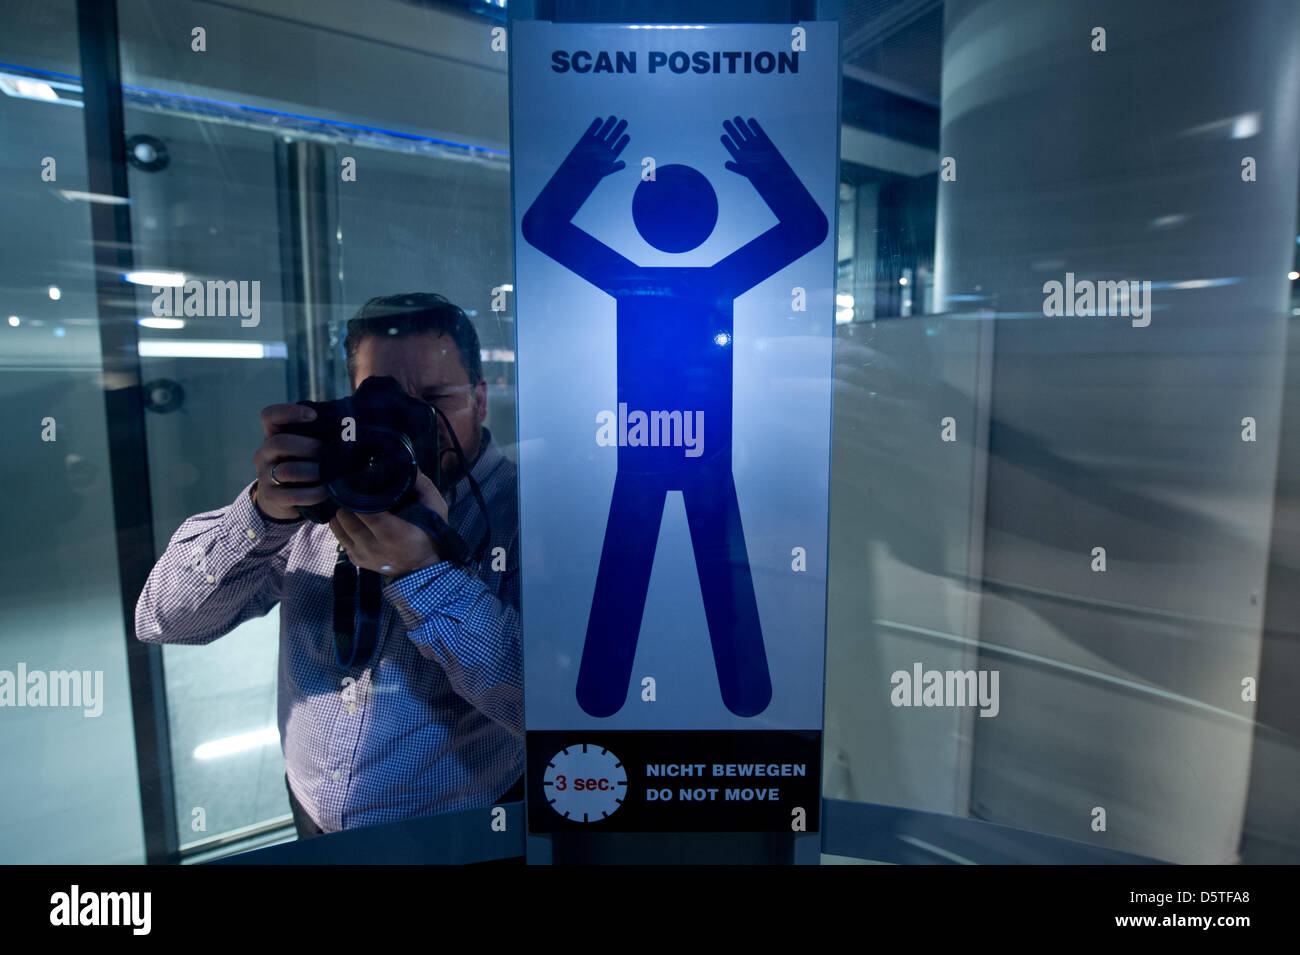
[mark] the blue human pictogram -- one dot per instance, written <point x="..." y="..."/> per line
<point x="674" y="331"/>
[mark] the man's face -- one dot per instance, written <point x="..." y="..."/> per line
<point x="428" y="367"/>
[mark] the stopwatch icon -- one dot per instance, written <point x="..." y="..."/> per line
<point x="585" y="782"/>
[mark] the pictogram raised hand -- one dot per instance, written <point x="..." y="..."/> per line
<point x="755" y="157"/>
<point x="597" y="150"/>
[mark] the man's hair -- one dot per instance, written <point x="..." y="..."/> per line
<point x="412" y="314"/>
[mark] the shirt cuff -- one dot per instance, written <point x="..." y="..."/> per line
<point x="437" y="590"/>
<point x="249" y="530"/>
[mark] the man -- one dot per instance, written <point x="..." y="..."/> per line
<point x="433" y="721"/>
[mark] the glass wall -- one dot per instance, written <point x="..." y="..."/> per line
<point x="1098" y="511"/>
<point x="298" y="179"/>
<point x="71" y="792"/>
<point x="1099" y="526"/>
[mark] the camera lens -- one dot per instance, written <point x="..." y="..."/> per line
<point x="372" y="473"/>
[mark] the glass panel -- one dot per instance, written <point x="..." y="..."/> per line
<point x="211" y="213"/>
<point x="71" y="793"/>
<point x="1095" y="525"/>
<point x="425" y="223"/>
<point x="239" y="176"/>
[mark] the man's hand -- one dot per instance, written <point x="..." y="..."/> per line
<point x="276" y="452"/>
<point x="387" y="544"/>
<point x="598" y="148"/>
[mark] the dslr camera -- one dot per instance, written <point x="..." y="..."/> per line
<point x="377" y="441"/>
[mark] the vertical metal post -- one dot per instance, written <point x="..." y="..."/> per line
<point x="304" y="170"/>
<point x="128" y="458"/>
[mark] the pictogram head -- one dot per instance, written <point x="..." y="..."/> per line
<point x="677" y="210"/>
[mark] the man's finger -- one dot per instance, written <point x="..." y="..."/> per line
<point x="381" y="526"/>
<point x="275" y="417"/>
<point x="340" y="534"/>
<point x="296" y="472"/>
<point x="429" y="495"/>
<point x="355" y="527"/>
<point x="281" y="446"/>
<point x="292" y="496"/>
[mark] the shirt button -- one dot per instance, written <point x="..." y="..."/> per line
<point x="352" y="707"/>
<point x="335" y="775"/>
<point x="252" y="534"/>
<point x="210" y="579"/>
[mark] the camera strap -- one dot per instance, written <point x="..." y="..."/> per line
<point x="355" y="634"/>
<point x="473" y="486"/>
<point x="449" y="543"/>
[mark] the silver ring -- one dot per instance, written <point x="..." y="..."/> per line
<point x="274" y="479"/>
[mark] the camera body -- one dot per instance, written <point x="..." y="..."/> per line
<point x="377" y="441"/>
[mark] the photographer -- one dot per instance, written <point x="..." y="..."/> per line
<point x="431" y="719"/>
